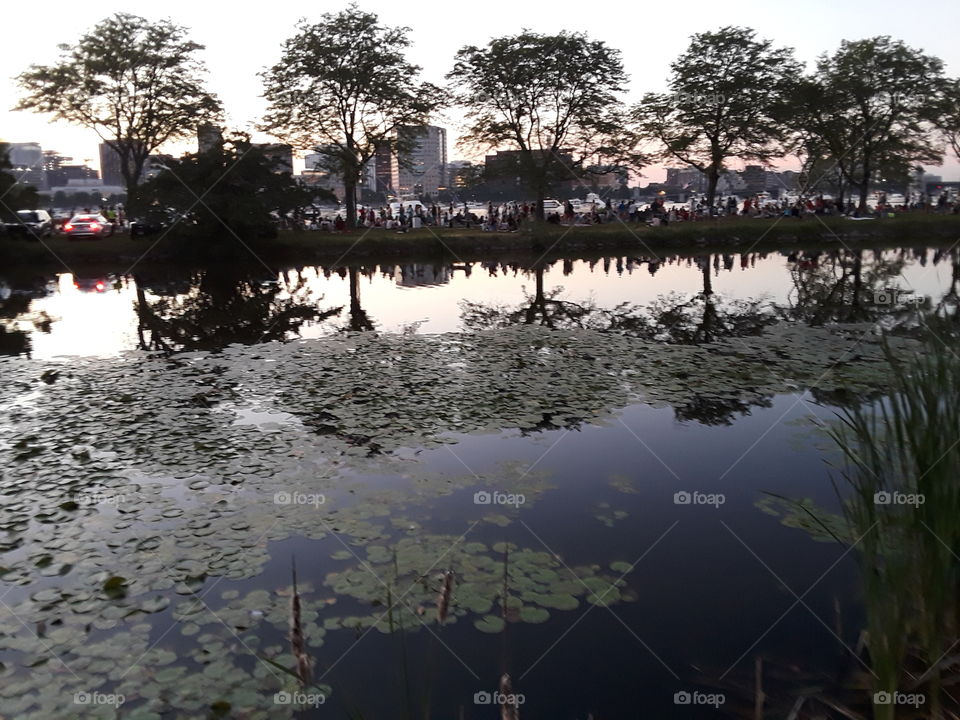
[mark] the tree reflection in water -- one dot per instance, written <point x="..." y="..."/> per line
<point x="224" y="306"/>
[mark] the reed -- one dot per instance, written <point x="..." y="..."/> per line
<point x="902" y="501"/>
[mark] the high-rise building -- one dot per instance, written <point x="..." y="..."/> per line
<point x="26" y="160"/>
<point x="386" y="171"/>
<point x="110" y="166"/>
<point x="424" y="171"/>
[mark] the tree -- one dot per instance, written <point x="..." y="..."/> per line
<point x="344" y="89"/>
<point x="137" y="84"/>
<point x="232" y="190"/>
<point x="13" y="196"/>
<point x="950" y="120"/>
<point x="870" y="109"/>
<point x="553" y="99"/>
<point x="726" y="94"/>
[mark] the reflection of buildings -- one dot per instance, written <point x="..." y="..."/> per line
<point x="426" y="166"/>
<point x="417" y="275"/>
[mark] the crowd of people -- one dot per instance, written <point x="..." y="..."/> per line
<point x="509" y="216"/>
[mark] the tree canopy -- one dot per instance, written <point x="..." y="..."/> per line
<point x="870" y="110"/>
<point x="232" y="190"/>
<point x="137" y="84"/>
<point x="344" y="88"/>
<point x="727" y="91"/>
<point x="554" y="99"/>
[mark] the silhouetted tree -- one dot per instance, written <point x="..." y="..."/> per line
<point x="553" y="99"/>
<point x="343" y="88"/>
<point x="726" y="95"/>
<point x="137" y="84"/>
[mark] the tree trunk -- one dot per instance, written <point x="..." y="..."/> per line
<point x="541" y="196"/>
<point x="864" y="185"/>
<point x="713" y="175"/>
<point x="350" y="199"/>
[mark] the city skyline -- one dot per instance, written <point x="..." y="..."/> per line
<point x="233" y="67"/>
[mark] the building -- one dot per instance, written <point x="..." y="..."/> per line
<point x="754" y="179"/>
<point x="110" y="166"/>
<point x="315" y="175"/>
<point x="26" y="160"/>
<point x="208" y="137"/>
<point x="424" y="170"/>
<point x="686" y="179"/>
<point x="386" y="172"/>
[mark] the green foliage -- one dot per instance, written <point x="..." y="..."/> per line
<point x="553" y="98"/>
<point x="137" y="84"/>
<point x="232" y="191"/>
<point x="869" y="112"/>
<point x="343" y="88"/>
<point x="726" y="94"/>
<point x="950" y="119"/>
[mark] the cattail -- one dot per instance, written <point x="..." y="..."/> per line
<point x="443" y="600"/>
<point x="509" y="710"/>
<point x="297" y="644"/>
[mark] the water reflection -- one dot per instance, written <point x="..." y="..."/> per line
<point x="221" y="308"/>
<point x="681" y="300"/>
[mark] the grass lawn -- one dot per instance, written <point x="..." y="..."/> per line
<point x="733" y="234"/>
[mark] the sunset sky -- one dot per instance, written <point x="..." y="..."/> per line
<point x="239" y="44"/>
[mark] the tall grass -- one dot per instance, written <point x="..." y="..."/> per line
<point x="908" y="443"/>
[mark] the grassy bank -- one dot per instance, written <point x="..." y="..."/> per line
<point x="731" y="234"/>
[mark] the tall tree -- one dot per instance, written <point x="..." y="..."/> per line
<point x="137" y="84"/>
<point x="344" y="88"/>
<point x="551" y="98"/>
<point x="726" y="93"/>
<point x="950" y="120"/>
<point x="871" y="109"/>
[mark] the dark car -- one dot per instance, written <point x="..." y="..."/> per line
<point x="88" y="225"/>
<point x="31" y="223"/>
<point x="151" y="223"/>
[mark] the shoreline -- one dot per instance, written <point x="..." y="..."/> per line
<point x="463" y="245"/>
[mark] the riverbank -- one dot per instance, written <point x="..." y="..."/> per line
<point x="543" y="240"/>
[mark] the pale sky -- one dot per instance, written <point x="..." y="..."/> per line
<point x="239" y="43"/>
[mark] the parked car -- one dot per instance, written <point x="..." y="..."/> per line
<point x="150" y="223"/>
<point x="32" y="223"/>
<point x="93" y="226"/>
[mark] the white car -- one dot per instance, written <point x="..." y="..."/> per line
<point x="88" y="225"/>
<point x="552" y="206"/>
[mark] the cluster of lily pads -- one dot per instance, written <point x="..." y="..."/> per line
<point x="130" y="488"/>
